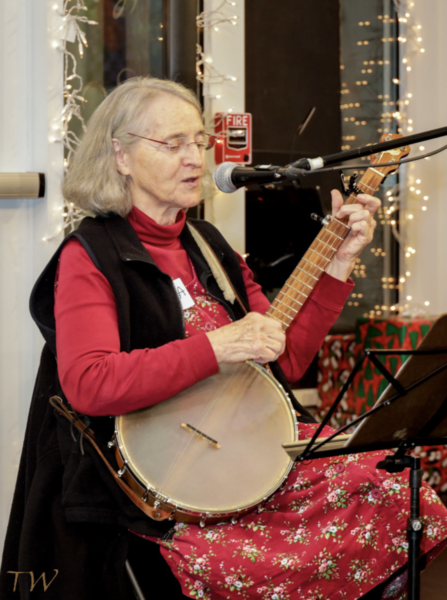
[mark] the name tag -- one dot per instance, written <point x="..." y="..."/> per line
<point x="184" y="296"/>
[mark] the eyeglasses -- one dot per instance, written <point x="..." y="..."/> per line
<point x="179" y="146"/>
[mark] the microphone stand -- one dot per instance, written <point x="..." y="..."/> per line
<point x="311" y="164"/>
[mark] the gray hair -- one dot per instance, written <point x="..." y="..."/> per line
<point x="93" y="182"/>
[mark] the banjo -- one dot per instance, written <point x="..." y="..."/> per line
<point x="214" y="451"/>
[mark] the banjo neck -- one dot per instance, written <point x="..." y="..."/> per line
<point x="315" y="261"/>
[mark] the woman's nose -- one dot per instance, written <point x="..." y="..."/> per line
<point x="192" y="154"/>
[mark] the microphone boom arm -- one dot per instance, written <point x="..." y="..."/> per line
<point x="312" y="164"/>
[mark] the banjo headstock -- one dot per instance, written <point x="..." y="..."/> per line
<point x="394" y="155"/>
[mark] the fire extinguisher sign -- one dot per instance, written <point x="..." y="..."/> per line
<point x="234" y="138"/>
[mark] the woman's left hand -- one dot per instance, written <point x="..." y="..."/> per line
<point x="362" y="224"/>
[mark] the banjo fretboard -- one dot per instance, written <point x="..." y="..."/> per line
<point x="314" y="263"/>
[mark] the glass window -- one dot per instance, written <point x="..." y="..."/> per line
<point x="369" y="97"/>
<point x="129" y="40"/>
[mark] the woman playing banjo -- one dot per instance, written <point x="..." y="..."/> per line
<point x="336" y="529"/>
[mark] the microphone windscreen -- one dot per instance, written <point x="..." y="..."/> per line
<point x="222" y="177"/>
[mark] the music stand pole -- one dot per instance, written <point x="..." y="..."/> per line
<point x="396" y="464"/>
<point x="414" y="530"/>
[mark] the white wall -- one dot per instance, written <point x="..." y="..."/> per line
<point x="226" y="48"/>
<point x="427" y="231"/>
<point x="30" y="96"/>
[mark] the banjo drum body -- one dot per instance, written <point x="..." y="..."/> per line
<point x="214" y="450"/>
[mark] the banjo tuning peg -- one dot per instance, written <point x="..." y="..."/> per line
<point x="317" y="218"/>
<point x="353" y="188"/>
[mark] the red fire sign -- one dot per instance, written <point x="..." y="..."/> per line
<point x="234" y="138"/>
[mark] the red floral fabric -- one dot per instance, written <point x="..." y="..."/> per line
<point x="337" y="358"/>
<point x="206" y="314"/>
<point x="335" y="531"/>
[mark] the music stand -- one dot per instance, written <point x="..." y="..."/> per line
<point x="419" y="419"/>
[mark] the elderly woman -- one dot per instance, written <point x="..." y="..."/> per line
<point x="123" y="343"/>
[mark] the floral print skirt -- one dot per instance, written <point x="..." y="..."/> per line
<point x="336" y="530"/>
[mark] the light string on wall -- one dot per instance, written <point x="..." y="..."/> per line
<point x="216" y="17"/>
<point x="206" y="73"/>
<point x="72" y="18"/>
<point x="73" y="82"/>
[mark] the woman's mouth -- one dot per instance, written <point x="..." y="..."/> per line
<point x="191" y="181"/>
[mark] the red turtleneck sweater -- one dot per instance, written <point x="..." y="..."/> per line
<point x="98" y="379"/>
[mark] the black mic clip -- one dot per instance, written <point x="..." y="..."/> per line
<point x="292" y="173"/>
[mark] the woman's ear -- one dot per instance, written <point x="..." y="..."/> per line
<point x="120" y="158"/>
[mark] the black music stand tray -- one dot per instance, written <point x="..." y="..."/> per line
<point x="419" y="419"/>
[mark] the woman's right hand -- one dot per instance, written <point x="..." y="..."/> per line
<point x="255" y="337"/>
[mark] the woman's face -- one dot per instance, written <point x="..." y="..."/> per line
<point x="162" y="183"/>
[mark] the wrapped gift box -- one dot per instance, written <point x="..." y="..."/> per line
<point x="336" y="359"/>
<point x="382" y="334"/>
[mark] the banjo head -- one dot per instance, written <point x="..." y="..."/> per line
<point x="215" y="447"/>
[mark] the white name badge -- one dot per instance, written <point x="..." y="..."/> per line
<point x="183" y="294"/>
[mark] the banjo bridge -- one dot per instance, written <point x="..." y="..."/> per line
<point x="206" y="437"/>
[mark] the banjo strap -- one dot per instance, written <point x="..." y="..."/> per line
<point x="158" y="514"/>
<point x="220" y="275"/>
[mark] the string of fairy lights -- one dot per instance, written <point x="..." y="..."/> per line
<point x="394" y="117"/>
<point x="211" y="78"/>
<point x="208" y="75"/>
<point x="72" y="16"/>
<point x="215" y="17"/>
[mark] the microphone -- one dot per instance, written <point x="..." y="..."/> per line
<point x="229" y="176"/>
